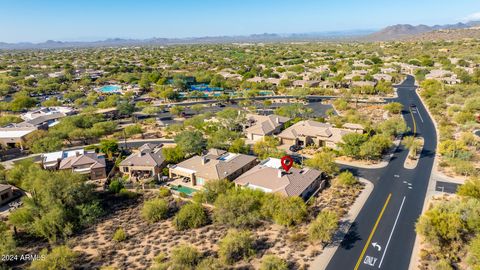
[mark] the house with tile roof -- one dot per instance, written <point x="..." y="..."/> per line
<point x="214" y="165"/>
<point x="90" y="164"/>
<point x="145" y="163"/>
<point x="310" y="132"/>
<point x="269" y="176"/>
<point x="259" y="126"/>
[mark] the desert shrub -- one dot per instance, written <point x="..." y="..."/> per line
<point x="286" y="211"/>
<point x="191" y="215"/>
<point x="155" y="210"/>
<point x="346" y="178"/>
<point x="185" y="257"/>
<point x="119" y="235"/>
<point x="235" y="246"/>
<point x="61" y="257"/>
<point x="164" y="192"/>
<point x="272" y="262"/>
<point x="116" y="185"/>
<point x="323" y="227"/>
<point x="238" y="208"/>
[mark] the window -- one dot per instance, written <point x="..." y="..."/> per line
<point x="125" y="169"/>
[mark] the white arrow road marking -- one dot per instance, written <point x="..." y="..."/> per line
<point x="377" y="246"/>
<point x="396" y="175"/>
<point x="391" y="233"/>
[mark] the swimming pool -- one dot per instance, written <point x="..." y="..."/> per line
<point x="187" y="190"/>
<point x="110" y="89"/>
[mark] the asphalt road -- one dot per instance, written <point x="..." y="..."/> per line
<point x="383" y="234"/>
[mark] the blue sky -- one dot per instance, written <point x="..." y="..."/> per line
<point x="37" y="21"/>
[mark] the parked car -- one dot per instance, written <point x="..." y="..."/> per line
<point x="294" y="148"/>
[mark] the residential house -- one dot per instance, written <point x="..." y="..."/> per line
<point x="6" y="193"/>
<point x="269" y="176"/>
<point x="444" y="76"/>
<point x="215" y="165"/>
<point x="305" y="83"/>
<point x="51" y="161"/>
<point x="88" y="163"/>
<point x="58" y="111"/>
<point x="382" y="77"/>
<point x="310" y="132"/>
<point x="13" y="136"/>
<point x="259" y="126"/>
<point x="146" y="162"/>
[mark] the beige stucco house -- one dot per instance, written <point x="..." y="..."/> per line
<point x="215" y="165"/>
<point x="146" y="162"/>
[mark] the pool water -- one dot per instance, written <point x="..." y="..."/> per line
<point x="186" y="190"/>
<point x="110" y="89"/>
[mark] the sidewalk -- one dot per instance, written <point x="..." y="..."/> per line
<point x="321" y="261"/>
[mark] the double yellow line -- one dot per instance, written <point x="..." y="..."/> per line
<point x="414" y="123"/>
<point x="372" y="232"/>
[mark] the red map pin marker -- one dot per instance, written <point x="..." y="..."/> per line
<point x="287" y="163"/>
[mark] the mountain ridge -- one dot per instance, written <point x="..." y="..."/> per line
<point x="392" y="32"/>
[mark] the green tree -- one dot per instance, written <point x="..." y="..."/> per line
<point x="191" y="142"/>
<point x="473" y="258"/>
<point x="471" y="188"/>
<point x="239" y="146"/>
<point x="109" y="147"/>
<point x="235" y="246"/>
<point x="323" y="227"/>
<point x="155" y="210"/>
<point x="133" y="130"/>
<point x="238" y="207"/>
<point x="7" y="242"/>
<point x="394" y="107"/>
<point x="267" y="148"/>
<point x="173" y="154"/>
<point x="323" y="161"/>
<point x="351" y="144"/>
<point x="177" y="110"/>
<point x="285" y="211"/>
<point x="211" y="190"/>
<point x="412" y="144"/>
<point x="190" y="216"/>
<point x="61" y="257"/>
<point x="392" y="127"/>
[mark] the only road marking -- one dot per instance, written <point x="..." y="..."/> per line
<point x="367" y="244"/>
<point x="391" y="233"/>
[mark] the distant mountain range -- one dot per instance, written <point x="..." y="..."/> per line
<point x="401" y="31"/>
<point x="394" y="32"/>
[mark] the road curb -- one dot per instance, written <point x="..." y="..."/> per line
<point x="321" y="261"/>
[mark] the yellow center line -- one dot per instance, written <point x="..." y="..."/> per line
<point x="372" y="232"/>
<point x="414" y="123"/>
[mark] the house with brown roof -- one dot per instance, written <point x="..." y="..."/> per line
<point x="214" y="165"/>
<point x="146" y="162"/>
<point x="269" y="176"/>
<point x="89" y="163"/>
<point x="310" y="132"/>
<point x="259" y="126"/>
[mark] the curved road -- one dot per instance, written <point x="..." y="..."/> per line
<point x="383" y="234"/>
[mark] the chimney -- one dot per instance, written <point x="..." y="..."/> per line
<point x="280" y="173"/>
<point x="204" y="160"/>
<point x="77" y="154"/>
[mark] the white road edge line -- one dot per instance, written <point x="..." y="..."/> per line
<point x="418" y="112"/>
<point x="391" y="233"/>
